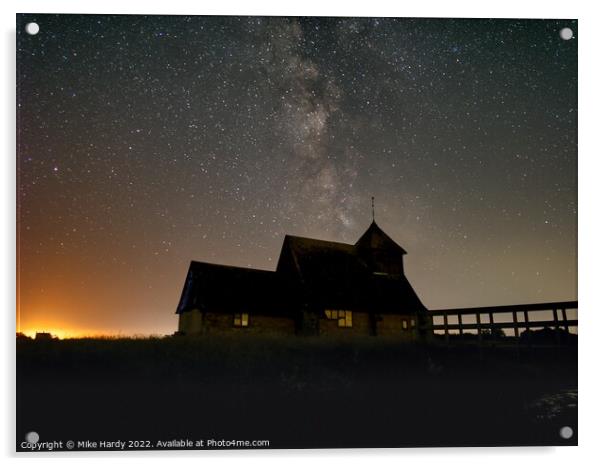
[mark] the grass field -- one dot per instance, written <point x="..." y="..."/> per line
<point x="296" y="393"/>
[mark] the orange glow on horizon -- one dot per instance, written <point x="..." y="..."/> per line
<point x="63" y="334"/>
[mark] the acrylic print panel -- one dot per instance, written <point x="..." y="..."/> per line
<point x="253" y="232"/>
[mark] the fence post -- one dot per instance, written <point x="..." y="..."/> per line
<point x="556" y="327"/>
<point x="491" y="329"/>
<point x="566" y="325"/>
<point x="460" y="326"/>
<point x="515" y="321"/>
<point x="479" y="335"/>
<point x="446" y="329"/>
<point x="516" y="334"/>
<point x="527" y="327"/>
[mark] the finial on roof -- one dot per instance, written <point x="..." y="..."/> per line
<point x="372" y="208"/>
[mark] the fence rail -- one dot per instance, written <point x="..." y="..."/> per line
<point x="559" y="320"/>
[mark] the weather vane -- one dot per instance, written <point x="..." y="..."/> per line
<point x="372" y="208"/>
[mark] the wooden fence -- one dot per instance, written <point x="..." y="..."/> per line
<point x="523" y="318"/>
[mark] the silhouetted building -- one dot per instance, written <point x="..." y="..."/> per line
<point x="319" y="287"/>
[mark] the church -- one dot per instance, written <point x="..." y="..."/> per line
<point x="319" y="288"/>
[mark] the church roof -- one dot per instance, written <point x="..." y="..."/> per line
<point x="312" y="272"/>
<point x="374" y="237"/>
<point x="340" y="276"/>
<point x="230" y="289"/>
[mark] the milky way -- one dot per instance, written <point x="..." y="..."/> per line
<point x="148" y="141"/>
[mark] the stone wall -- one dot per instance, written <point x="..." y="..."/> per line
<point x="360" y="326"/>
<point x="388" y="325"/>
<point x="392" y="325"/>
<point x="195" y="323"/>
<point x="190" y="322"/>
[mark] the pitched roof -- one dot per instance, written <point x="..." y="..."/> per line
<point x="374" y="237"/>
<point x="228" y="288"/>
<point x="323" y="274"/>
<point x="337" y="275"/>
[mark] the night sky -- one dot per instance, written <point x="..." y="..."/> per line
<point x="147" y="141"/>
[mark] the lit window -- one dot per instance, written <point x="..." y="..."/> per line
<point x="413" y="323"/>
<point x="241" y="320"/>
<point x="343" y="318"/>
<point x="404" y="324"/>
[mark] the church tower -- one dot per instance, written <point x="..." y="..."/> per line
<point x="382" y="255"/>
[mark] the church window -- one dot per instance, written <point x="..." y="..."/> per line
<point x="241" y="320"/>
<point x="343" y="318"/>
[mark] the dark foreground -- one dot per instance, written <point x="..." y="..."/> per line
<point x="303" y="393"/>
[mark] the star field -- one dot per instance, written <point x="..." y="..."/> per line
<point x="148" y="141"/>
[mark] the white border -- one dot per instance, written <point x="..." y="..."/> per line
<point x="590" y="232"/>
